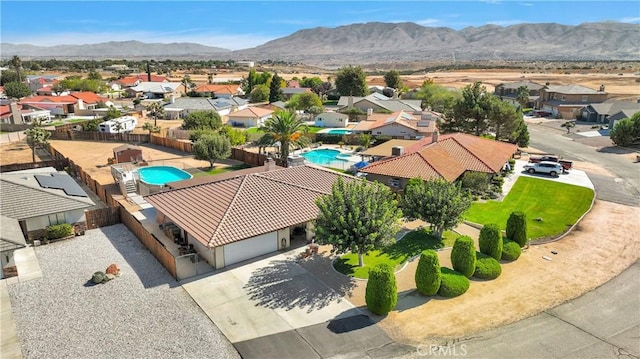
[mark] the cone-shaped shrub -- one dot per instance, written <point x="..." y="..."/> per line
<point x="453" y="283"/>
<point x="487" y="267"/>
<point x="517" y="228"/>
<point x="382" y="293"/>
<point x="511" y="250"/>
<point x="463" y="256"/>
<point x="490" y="241"/>
<point x="428" y="273"/>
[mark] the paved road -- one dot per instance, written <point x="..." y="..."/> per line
<point x="604" y="323"/>
<point x="625" y="188"/>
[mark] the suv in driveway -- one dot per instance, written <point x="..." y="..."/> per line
<point x="550" y="168"/>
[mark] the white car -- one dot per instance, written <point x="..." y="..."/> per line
<point x="550" y="168"/>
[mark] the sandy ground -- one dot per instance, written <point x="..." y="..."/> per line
<point x="603" y="245"/>
<point x="19" y="152"/>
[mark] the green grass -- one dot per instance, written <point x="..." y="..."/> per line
<point x="218" y="170"/>
<point x="330" y="102"/>
<point x="340" y="170"/>
<point x="253" y="130"/>
<point x="76" y="120"/>
<point x="56" y="123"/>
<point x="558" y="204"/>
<point x="314" y="129"/>
<point x="394" y="255"/>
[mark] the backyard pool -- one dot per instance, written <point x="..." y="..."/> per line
<point x="160" y="175"/>
<point x="322" y="156"/>
<point x="339" y="132"/>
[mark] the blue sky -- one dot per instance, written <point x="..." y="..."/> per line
<point x="244" y="24"/>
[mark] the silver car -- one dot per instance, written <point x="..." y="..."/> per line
<point x="550" y="168"/>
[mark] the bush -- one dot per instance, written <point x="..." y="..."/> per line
<point x="382" y="293"/>
<point x="510" y="250"/>
<point x="453" y="283"/>
<point x="517" y="228"/>
<point x="487" y="267"/>
<point x="99" y="278"/>
<point x="463" y="256"/>
<point x="476" y="182"/>
<point x="59" y="231"/>
<point x="427" y="275"/>
<point x="490" y="241"/>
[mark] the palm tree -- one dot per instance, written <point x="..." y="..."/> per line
<point x="285" y="127"/>
<point x="156" y="110"/>
<point x="522" y="96"/>
<point x="16" y="63"/>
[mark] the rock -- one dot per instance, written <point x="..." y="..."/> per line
<point x="112" y="269"/>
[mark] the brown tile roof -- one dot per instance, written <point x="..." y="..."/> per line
<point x="245" y="206"/>
<point x="252" y="112"/>
<point x="219" y="89"/>
<point x="448" y="158"/>
<point x="401" y="118"/>
<point x="384" y="150"/>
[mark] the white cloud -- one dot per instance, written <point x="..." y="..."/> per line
<point x="526" y="4"/>
<point x="506" y="22"/>
<point x="427" y="22"/>
<point x="630" y="19"/>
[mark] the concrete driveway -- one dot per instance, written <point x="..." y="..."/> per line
<point x="268" y="296"/>
<point x="573" y="176"/>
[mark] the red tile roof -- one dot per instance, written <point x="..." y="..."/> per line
<point x="219" y="89"/>
<point x="52" y="99"/>
<point x="89" y="97"/>
<point x="448" y="158"/>
<point x="252" y="112"/>
<point x="245" y="206"/>
<point x="130" y="80"/>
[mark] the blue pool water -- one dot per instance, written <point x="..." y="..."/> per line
<point x="339" y="132"/>
<point x="321" y="156"/>
<point x="160" y="175"/>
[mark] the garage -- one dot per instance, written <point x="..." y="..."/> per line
<point x="250" y="248"/>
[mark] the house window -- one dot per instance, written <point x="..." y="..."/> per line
<point x="585" y="98"/>
<point x="57" y="218"/>
<point x="554" y="96"/>
<point x="563" y="97"/>
<point x="379" y="133"/>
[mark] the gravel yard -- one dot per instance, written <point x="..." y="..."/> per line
<point x="144" y="313"/>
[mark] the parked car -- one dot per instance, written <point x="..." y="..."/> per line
<point x="547" y="167"/>
<point x="566" y="165"/>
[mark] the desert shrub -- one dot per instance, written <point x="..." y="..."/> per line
<point x="476" y="182"/>
<point x="510" y="250"/>
<point x="428" y="273"/>
<point x="99" y="278"/>
<point x="453" y="283"/>
<point x="59" y="231"/>
<point x="487" y="267"/>
<point x="490" y="241"/>
<point x="382" y="293"/>
<point x="463" y="256"/>
<point x="517" y="228"/>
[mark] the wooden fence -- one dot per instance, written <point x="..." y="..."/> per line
<point x="102" y="217"/>
<point x="150" y="242"/>
<point x="99" y="136"/>
<point x="171" y="143"/>
<point x="59" y="164"/>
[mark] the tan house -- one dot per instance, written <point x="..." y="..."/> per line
<point x="249" y="117"/>
<point x="397" y="125"/>
<point x="567" y="101"/>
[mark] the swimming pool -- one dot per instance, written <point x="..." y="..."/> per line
<point x="161" y="175"/>
<point x="322" y="156"/>
<point x="339" y="132"/>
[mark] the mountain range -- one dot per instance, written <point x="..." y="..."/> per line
<point x="377" y="42"/>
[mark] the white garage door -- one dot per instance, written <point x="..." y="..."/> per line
<point x="249" y="248"/>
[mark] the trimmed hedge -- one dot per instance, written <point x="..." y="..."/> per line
<point x="490" y="241"/>
<point x="427" y="275"/>
<point x="453" y="283"/>
<point x="382" y="292"/>
<point x="487" y="267"/>
<point x="517" y="228"/>
<point x="59" y="231"/>
<point x="463" y="256"/>
<point x="511" y="250"/>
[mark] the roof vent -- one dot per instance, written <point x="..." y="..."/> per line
<point x="397" y="151"/>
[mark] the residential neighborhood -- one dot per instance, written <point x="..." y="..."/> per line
<point x="271" y="209"/>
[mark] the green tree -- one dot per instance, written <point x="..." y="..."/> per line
<point x="437" y="202"/>
<point x="476" y="182"/>
<point x="522" y="96"/>
<point x="155" y="110"/>
<point x="365" y="140"/>
<point x="16" y="63"/>
<point x="148" y="126"/>
<point x="352" y="81"/>
<point x="286" y="128"/>
<point x="381" y="294"/>
<point x="202" y="120"/>
<point x="8" y="76"/>
<point x="212" y="148"/>
<point x="490" y="240"/>
<point x="315" y="110"/>
<point x="235" y="135"/>
<point x="392" y="79"/>
<point x="626" y="131"/>
<point x="517" y="228"/>
<point x="260" y="93"/>
<point x="502" y="118"/>
<point x="314" y="83"/>
<point x="37" y="137"/>
<point x="568" y="125"/>
<point x="521" y="135"/>
<point x="275" y="89"/>
<point x="357" y="216"/>
<point x="112" y="113"/>
<point x="463" y="256"/>
<point x="304" y="101"/>
<point x="94" y="75"/>
<point x="428" y="276"/>
<point x="16" y="90"/>
<point x="470" y="112"/>
<point x="437" y="98"/>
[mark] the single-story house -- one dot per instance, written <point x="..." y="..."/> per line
<point x="16" y="113"/>
<point x="378" y="102"/>
<point x="440" y="156"/>
<point x="600" y="112"/>
<point x="249" y="117"/>
<point x="220" y="91"/>
<point x="567" y="101"/>
<point x="508" y="92"/>
<point x="331" y="119"/>
<point x="248" y="215"/>
<point x="397" y="125"/>
<point x="182" y="106"/>
<point x="289" y="92"/>
<point x="156" y="90"/>
<point x="620" y="115"/>
<point x="42" y="197"/>
<point x="135" y="80"/>
<point x="11" y="239"/>
<point x="385" y="149"/>
<point x="75" y="103"/>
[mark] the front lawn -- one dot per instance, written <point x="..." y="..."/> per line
<point x="559" y="205"/>
<point x="412" y="244"/>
